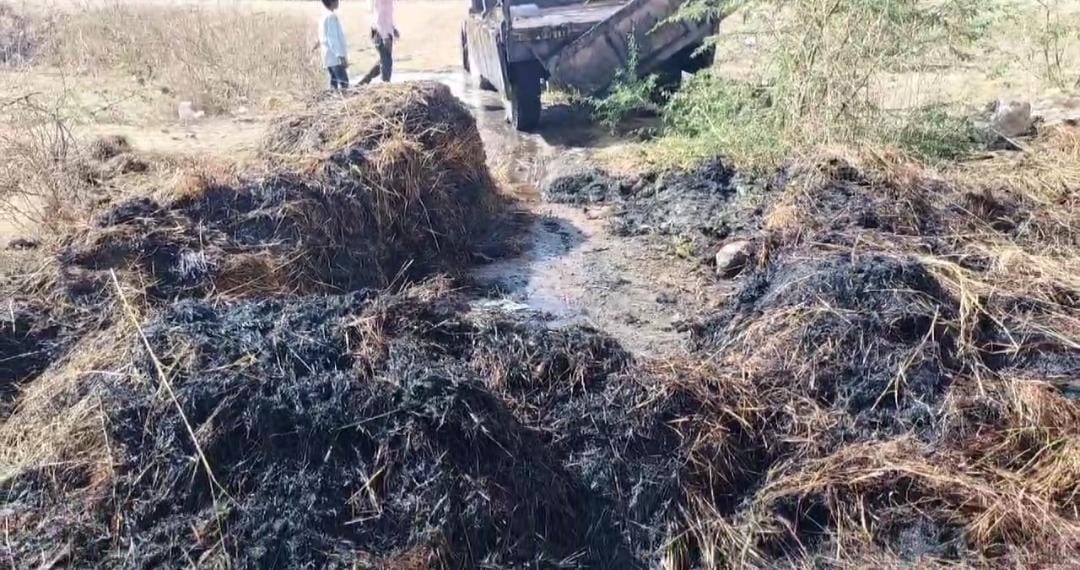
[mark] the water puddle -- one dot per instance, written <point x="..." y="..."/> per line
<point x="571" y="270"/>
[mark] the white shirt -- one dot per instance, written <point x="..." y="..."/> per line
<point x="382" y="18"/>
<point x="331" y="39"/>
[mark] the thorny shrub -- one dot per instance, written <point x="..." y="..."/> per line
<point x="39" y="181"/>
<point x="817" y="86"/>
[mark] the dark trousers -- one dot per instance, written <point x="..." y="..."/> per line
<point x="385" y="67"/>
<point x="339" y="77"/>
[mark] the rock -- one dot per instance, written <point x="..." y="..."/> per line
<point x="1059" y="110"/>
<point x="733" y="257"/>
<point x="187" y="114"/>
<point x="185" y="111"/>
<point x="666" y="298"/>
<point x="1011" y="119"/>
<point x="23" y="243"/>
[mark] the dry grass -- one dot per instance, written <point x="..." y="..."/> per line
<point x="1004" y="228"/>
<point x="352" y="192"/>
<point x="51" y="182"/>
<point x="1006" y="486"/>
<point x="57" y="422"/>
<point x="372" y="189"/>
<point x="1025" y="45"/>
<point x="39" y="180"/>
<point x="220" y="59"/>
<point x="1047" y="170"/>
<point x="20" y="36"/>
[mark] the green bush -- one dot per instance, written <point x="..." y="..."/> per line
<point x="629" y="93"/>
<point x="627" y="97"/>
<point x="818" y="85"/>
<point x="720" y="116"/>
<point x="931" y="134"/>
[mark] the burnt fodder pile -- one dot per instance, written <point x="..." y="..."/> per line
<point x="856" y="368"/>
<point x="697" y="208"/>
<point x="1005" y="250"/>
<point x="355" y="191"/>
<point x="164" y="415"/>
<point x="904" y="350"/>
<point x="872" y="336"/>
<point x="836" y="200"/>
<point x="370" y="430"/>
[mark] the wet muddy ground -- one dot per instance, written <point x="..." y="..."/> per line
<point x="576" y="266"/>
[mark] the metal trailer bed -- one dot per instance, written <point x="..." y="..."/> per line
<point x="571" y="14"/>
<point x="512" y="46"/>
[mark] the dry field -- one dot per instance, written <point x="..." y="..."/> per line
<point x="122" y="67"/>
<point x="1030" y="51"/>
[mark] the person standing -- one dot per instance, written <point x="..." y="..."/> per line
<point x="383" y="34"/>
<point x="333" y="46"/>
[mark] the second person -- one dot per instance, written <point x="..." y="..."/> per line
<point x="383" y="34"/>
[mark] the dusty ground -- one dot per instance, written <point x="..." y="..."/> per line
<point x="1009" y="65"/>
<point x="430" y="29"/>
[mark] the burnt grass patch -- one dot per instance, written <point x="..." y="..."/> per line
<point x="860" y="377"/>
<point x="29" y="341"/>
<point x="862" y="399"/>
<point x="704" y="205"/>
<point x="877" y="333"/>
<point x="853" y="351"/>
<point x="877" y="304"/>
<point x="362" y="427"/>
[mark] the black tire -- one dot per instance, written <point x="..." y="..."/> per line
<point x="695" y="58"/>
<point x="524" y="95"/>
<point x="688" y="60"/>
